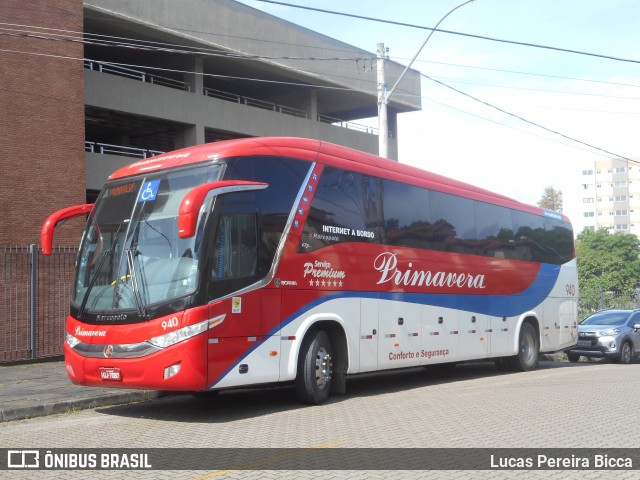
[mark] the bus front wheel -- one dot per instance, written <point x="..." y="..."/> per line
<point x="315" y="368"/>
<point x="528" y="350"/>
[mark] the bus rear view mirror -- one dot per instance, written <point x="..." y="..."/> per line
<point x="46" y="235"/>
<point x="192" y="201"/>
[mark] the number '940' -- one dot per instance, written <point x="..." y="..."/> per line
<point x="172" y="322"/>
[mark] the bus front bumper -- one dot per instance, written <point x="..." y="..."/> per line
<point x="179" y="367"/>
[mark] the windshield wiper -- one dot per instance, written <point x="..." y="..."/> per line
<point x="134" y="283"/>
<point x="83" y="305"/>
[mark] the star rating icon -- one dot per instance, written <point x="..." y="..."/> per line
<point x="326" y="283"/>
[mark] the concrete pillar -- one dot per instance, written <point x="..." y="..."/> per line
<point x="193" y="67"/>
<point x="312" y="106"/>
<point x="189" y="136"/>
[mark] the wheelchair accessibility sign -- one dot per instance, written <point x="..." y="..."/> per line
<point x="149" y="191"/>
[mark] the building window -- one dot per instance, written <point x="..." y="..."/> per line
<point x="587" y="172"/>
<point x="621" y="212"/>
<point x="587" y="200"/>
<point x="620" y="198"/>
<point x="622" y="226"/>
<point x="588" y="214"/>
<point x="621" y="169"/>
<point x="621" y="183"/>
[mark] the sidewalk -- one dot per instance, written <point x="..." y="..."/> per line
<point x="37" y="389"/>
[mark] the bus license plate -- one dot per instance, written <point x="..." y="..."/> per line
<point x="584" y="343"/>
<point x="110" y="373"/>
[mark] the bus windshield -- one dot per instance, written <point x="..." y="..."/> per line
<point x="131" y="255"/>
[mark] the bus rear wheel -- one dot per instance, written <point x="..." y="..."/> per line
<point x="315" y="368"/>
<point x="528" y="350"/>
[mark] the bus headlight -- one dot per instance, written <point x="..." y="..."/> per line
<point x="171" y="338"/>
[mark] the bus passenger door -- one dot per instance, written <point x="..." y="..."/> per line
<point x="238" y="351"/>
<point x="368" y="334"/>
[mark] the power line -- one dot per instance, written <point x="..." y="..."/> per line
<point x="174" y="48"/>
<point x="555" y="132"/>
<point x="165" y="47"/>
<point x="470" y="35"/>
<point x="476" y="67"/>
<point x="338" y="88"/>
<point x="117" y="41"/>
<point x="511" y="127"/>
<point x="547" y="90"/>
<point x="173" y="70"/>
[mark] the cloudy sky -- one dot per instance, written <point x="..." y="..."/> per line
<point x="591" y="99"/>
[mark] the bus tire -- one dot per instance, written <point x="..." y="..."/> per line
<point x="315" y="368"/>
<point x="528" y="350"/>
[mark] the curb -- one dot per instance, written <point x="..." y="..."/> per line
<point x="21" y="413"/>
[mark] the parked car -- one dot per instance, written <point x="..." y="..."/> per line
<point x="612" y="334"/>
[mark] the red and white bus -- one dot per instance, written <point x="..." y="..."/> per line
<point x="267" y="260"/>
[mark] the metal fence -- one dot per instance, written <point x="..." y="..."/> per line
<point x="34" y="301"/>
<point x="591" y="302"/>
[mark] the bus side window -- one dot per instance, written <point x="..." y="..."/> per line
<point x="236" y="247"/>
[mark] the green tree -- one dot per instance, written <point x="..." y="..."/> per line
<point x="608" y="263"/>
<point x="551" y="199"/>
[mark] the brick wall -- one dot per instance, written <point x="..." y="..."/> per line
<point x="41" y="119"/>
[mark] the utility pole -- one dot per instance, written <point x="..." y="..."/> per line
<point x="383" y="121"/>
<point x="383" y="94"/>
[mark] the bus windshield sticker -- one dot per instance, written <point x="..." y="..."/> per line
<point x="149" y="191"/>
<point x="236" y="305"/>
<point x="348" y="231"/>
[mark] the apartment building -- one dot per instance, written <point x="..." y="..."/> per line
<point x="611" y="196"/>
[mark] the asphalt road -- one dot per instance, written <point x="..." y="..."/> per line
<point x="561" y="405"/>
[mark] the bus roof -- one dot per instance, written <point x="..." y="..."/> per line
<point x="325" y="153"/>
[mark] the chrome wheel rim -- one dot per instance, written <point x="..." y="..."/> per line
<point x="323" y="367"/>
<point x="527" y="347"/>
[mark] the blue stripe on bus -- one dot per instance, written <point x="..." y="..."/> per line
<point x="494" y="305"/>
